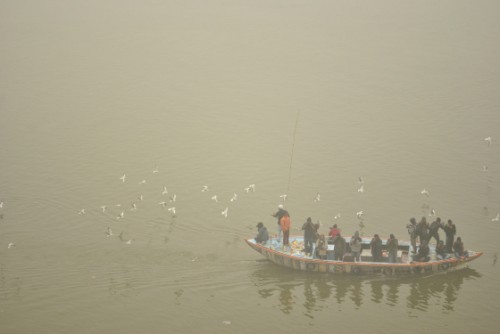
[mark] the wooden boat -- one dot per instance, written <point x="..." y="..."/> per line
<point x="293" y="257"/>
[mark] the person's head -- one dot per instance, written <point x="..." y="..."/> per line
<point x="334" y="225"/>
<point x="413" y="221"/>
<point x="438" y="219"/>
<point x="391" y="236"/>
<point x="440" y="242"/>
<point x="423" y="219"/>
<point x="459" y="239"/>
<point x="356" y="234"/>
<point x="450" y="222"/>
<point x="375" y="236"/>
<point x="309" y="220"/>
<point x="260" y="225"/>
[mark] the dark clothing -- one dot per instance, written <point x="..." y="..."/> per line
<point x="458" y="248"/>
<point x="433" y="231"/>
<point x="376" y="248"/>
<point x="440" y="250"/>
<point x="412" y="231"/>
<point x="450" y="230"/>
<point x="423" y="230"/>
<point x="262" y="235"/>
<point x="423" y="253"/>
<point x="280" y="213"/>
<point x="309" y="236"/>
<point x="339" y="249"/>
<point x="392" y="249"/>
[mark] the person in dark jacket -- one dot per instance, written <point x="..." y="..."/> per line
<point x="339" y="249"/>
<point x="423" y="230"/>
<point x="278" y="215"/>
<point x="376" y="248"/>
<point x="392" y="248"/>
<point x="309" y="235"/>
<point x="262" y="234"/>
<point x="450" y="230"/>
<point x="423" y="253"/>
<point x="458" y="248"/>
<point x="412" y="231"/>
<point x="433" y="230"/>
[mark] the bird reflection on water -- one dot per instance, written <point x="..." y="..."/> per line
<point x="316" y="292"/>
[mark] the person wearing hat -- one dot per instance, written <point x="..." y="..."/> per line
<point x="262" y="235"/>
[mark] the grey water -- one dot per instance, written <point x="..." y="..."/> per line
<point x="296" y="97"/>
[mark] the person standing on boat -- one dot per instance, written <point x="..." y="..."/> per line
<point x="278" y="214"/>
<point x="262" y="234"/>
<point x="334" y="230"/>
<point x="412" y="231"/>
<point x="376" y="248"/>
<point x="423" y="230"/>
<point x="434" y="228"/>
<point x="392" y="248"/>
<point x="450" y="230"/>
<point x="355" y="245"/>
<point x="339" y="249"/>
<point x="309" y="234"/>
<point x="285" y="224"/>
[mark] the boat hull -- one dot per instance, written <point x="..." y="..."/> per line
<point x="294" y="261"/>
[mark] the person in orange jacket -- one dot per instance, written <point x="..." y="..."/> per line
<point x="285" y="224"/>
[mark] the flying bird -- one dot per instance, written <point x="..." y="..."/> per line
<point x="361" y="189"/>
<point x="425" y="192"/>
<point x="214" y="198"/>
<point x="134" y="206"/>
<point x="123" y="178"/>
<point x="497" y="218"/>
<point x="120" y="216"/>
<point x="284" y="196"/>
<point x="156" y="170"/>
<point x="337" y="216"/>
<point x="224" y="213"/>
<point x="234" y="198"/>
<point x="488" y="140"/>
<point x="10" y="245"/>
<point x="82" y="212"/>
<point x="359" y="214"/>
<point x="173" y="198"/>
<point x="252" y="187"/>
<point x="165" y="191"/>
<point x="432" y="213"/>
<point x="142" y="182"/>
<point x="204" y="188"/>
<point x="109" y="233"/>
<point x="163" y="204"/>
<point x="1" y="205"/>
<point x="172" y="209"/>
<point x="317" y="198"/>
<point x="103" y="208"/>
<point x="141" y="197"/>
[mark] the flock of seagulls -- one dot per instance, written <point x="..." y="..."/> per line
<point x="170" y="204"/>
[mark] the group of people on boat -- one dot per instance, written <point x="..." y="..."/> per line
<point x="316" y="245"/>
<point x="424" y="232"/>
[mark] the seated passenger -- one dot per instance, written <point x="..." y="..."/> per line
<point x="459" y="249"/>
<point x="423" y="253"/>
<point x="262" y="234"/>
<point x="441" y="251"/>
<point x="321" y="247"/>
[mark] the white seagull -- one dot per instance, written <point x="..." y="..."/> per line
<point x="234" y="198"/>
<point x="252" y="187"/>
<point x="359" y="214"/>
<point x="129" y="242"/>
<point x="488" y="140"/>
<point x="163" y="204"/>
<point x="134" y="207"/>
<point x="82" y="212"/>
<point x="224" y="213"/>
<point x="485" y="168"/>
<point x="173" y="198"/>
<point x="10" y="245"/>
<point x="120" y="216"/>
<point x="142" y="182"/>
<point x="165" y="191"/>
<point x="361" y="189"/>
<point x="214" y="198"/>
<point x="337" y="216"/>
<point x="497" y="218"/>
<point x="317" y="198"/>
<point x="284" y="196"/>
<point x="1" y="205"/>
<point x="172" y="209"/>
<point x="123" y="178"/>
<point x="109" y="233"/>
<point x="141" y="198"/>
<point x="432" y="213"/>
<point x="156" y="170"/>
<point x="103" y="208"/>
<point x="425" y="192"/>
<point x="204" y="188"/>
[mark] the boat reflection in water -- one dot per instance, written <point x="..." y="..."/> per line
<point x="318" y="291"/>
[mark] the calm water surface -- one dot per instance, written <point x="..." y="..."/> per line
<point x="193" y="93"/>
